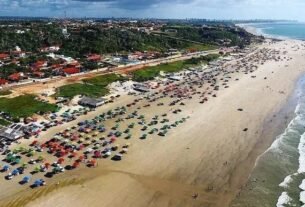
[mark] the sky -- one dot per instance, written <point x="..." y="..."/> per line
<point x="209" y="9"/>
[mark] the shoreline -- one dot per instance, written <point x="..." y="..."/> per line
<point x="259" y="32"/>
<point x="273" y="128"/>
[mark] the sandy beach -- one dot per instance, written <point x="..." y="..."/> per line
<point x="211" y="156"/>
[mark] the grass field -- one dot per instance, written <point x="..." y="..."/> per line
<point x="4" y="122"/>
<point x="93" y="87"/>
<point x="5" y="93"/>
<point x="202" y="47"/>
<point x="24" y="106"/>
<point x="150" y="73"/>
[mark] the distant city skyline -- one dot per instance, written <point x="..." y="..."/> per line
<point x="213" y="9"/>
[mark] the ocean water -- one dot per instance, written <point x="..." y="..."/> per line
<point x="278" y="179"/>
<point x="290" y="30"/>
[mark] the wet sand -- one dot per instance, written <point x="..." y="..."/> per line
<point x="211" y="155"/>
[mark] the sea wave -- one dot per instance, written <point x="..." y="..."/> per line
<point x="283" y="200"/>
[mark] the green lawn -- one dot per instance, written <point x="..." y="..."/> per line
<point x="4" y="122"/>
<point x="150" y="73"/>
<point x="5" y="93"/>
<point x="24" y="106"/>
<point x="202" y="47"/>
<point x="93" y="87"/>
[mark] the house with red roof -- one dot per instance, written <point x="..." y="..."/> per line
<point x="94" y="57"/>
<point x="16" y="77"/>
<point x="3" y="81"/>
<point x="71" y="70"/>
<point x="4" y="56"/>
<point x="38" y="74"/>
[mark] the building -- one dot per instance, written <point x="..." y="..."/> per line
<point x="4" y="56"/>
<point x="94" y="57"/>
<point x="72" y="70"/>
<point x="175" y="78"/>
<point x="3" y="81"/>
<point x="12" y="133"/>
<point x="16" y="77"/>
<point x="140" y="87"/>
<point x="91" y="102"/>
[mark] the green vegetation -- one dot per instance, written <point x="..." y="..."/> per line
<point x="24" y="106"/>
<point x="201" y="47"/>
<point x="213" y="35"/>
<point x="4" y="122"/>
<point x="5" y="92"/>
<point x="96" y="39"/>
<point x="7" y="70"/>
<point x="92" y="87"/>
<point x="152" y="72"/>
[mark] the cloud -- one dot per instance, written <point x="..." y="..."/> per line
<point x="135" y="4"/>
<point x="214" y="9"/>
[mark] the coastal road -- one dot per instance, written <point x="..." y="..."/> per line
<point x="104" y="71"/>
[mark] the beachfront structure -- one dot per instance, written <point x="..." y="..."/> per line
<point x="140" y="87"/>
<point x="91" y="102"/>
<point x="12" y="132"/>
<point x="175" y="78"/>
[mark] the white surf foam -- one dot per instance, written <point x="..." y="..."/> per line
<point x="301" y="149"/>
<point x="283" y="200"/>
<point x="302" y="196"/>
<point x="286" y="182"/>
<point x="302" y="186"/>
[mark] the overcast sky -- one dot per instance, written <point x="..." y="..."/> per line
<point x="211" y="9"/>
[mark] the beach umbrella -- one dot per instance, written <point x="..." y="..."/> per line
<point x="75" y="164"/>
<point x="74" y="154"/>
<point x="81" y="146"/>
<point x="24" y="165"/>
<point x="26" y="179"/>
<point x="5" y="168"/>
<point x="126" y="145"/>
<point x="124" y="150"/>
<point x="92" y="162"/>
<point x="15" y="172"/>
<point x="30" y="154"/>
<point x="47" y="165"/>
<point x="89" y="150"/>
<point x="128" y="136"/>
<point x="40" y="158"/>
<point x="37" y="182"/>
<point x="97" y="154"/>
<point x="60" y="160"/>
<point x="36" y="169"/>
<point x="17" y="160"/>
<point x="81" y="158"/>
<point x="87" y="143"/>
